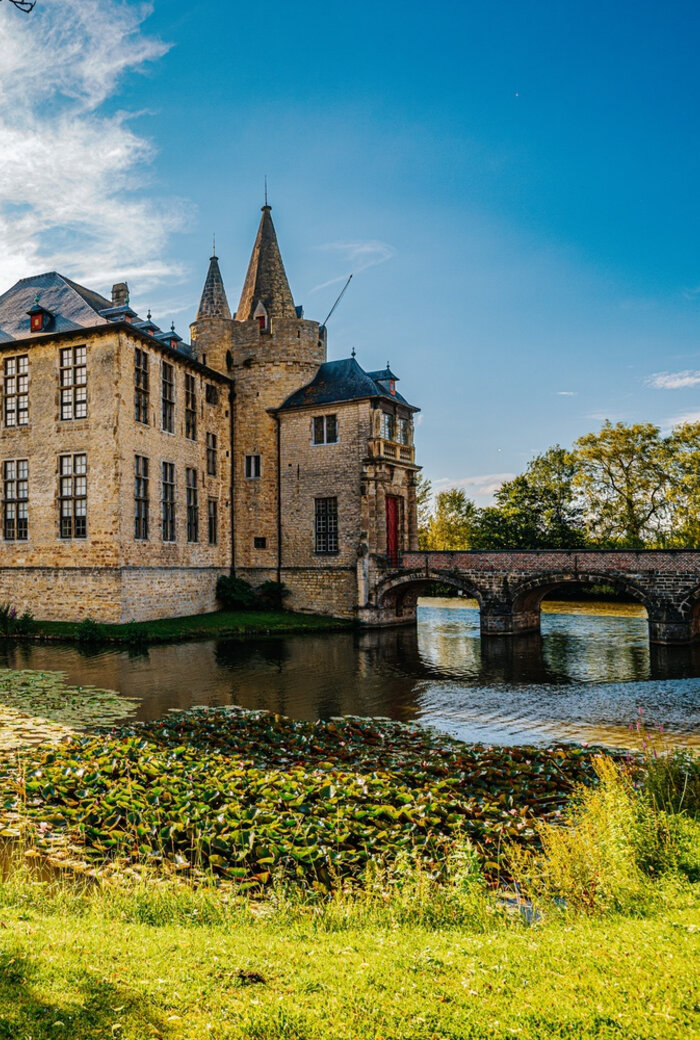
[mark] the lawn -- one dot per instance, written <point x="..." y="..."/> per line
<point x="220" y="624"/>
<point x="143" y="966"/>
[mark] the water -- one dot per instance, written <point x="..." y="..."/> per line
<point x="584" y="679"/>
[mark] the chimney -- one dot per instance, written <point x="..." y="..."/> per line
<point x="120" y="294"/>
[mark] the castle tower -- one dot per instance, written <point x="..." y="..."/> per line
<point x="275" y="351"/>
<point x="210" y="332"/>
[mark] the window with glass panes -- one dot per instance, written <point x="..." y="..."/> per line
<point x="168" y="501"/>
<point x="326" y="525"/>
<point x="73" y="379"/>
<point x="211" y="454"/>
<point x="72" y="496"/>
<point x="212" y="520"/>
<point x="15" y="500"/>
<point x="192" y="505"/>
<point x="190" y="408"/>
<point x="404" y="436"/>
<point x="168" y="397"/>
<point x="388" y="426"/>
<point x="16" y="391"/>
<point x="252" y="467"/>
<point x="325" y="429"/>
<point x="140" y="497"/>
<point x="141" y="389"/>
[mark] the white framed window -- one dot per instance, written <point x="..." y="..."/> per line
<point x="326" y="525"/>
<point x="72" y="496"/>
<point x="15" y="500"/>
<point x="325" y="429"/>
<point x="388" y="426"/>
<point x="73" y="382"/>
<point x="252" y="467"/>
<point x="15" y="390"/>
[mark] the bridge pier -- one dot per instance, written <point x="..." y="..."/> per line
<point x="502" y="621"/>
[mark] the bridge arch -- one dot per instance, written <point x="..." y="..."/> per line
<point x="399" y="593"/>
<point x="528" y="594"/>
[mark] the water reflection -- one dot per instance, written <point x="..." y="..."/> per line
<point x="582" y="679"/>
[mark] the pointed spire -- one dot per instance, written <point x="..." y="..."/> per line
<point x="213" y="303"/>
<point x="266" y="280"/>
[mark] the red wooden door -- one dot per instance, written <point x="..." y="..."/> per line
<point x="392" y="529"/>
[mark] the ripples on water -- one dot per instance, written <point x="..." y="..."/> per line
<point x="584" y="679"/>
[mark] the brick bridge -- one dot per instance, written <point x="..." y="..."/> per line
<point x="510" y="585"/>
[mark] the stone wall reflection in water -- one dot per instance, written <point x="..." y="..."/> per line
<point x="583" y="679"/>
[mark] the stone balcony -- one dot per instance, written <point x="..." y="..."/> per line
<point x="383" y="449"/>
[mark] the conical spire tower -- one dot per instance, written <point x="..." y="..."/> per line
<point x="213" y="303"/>
<point x="266" y="281"/>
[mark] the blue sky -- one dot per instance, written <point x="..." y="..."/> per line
<point x="513" y="184"/>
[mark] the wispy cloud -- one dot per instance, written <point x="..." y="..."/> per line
<point x="72" y="178"/>
<point x="484" y="484"/>
<point x="681" y="420"/>
<point x="674" y="380"/>
<point x="355" y="257"/>
<point x="566" y="393"/>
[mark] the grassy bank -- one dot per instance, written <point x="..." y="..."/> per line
<point x="155" y="963"/>
<point x="222" y="624"/>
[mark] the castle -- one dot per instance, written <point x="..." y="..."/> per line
<point x="136" y="468"/>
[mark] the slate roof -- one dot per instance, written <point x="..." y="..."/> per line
<point x="72" y="305"/>
<point x="266" y="280"/>
<point x="213" y="303"/>
<point x="338" y="381"/>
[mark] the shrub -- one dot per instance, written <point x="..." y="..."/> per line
<point x="671" y="779"/>
<point x="8" y="618"/>
<point x="89" y="631"/>
<point x="24" y="624"/>
<point x="272" y="594"/>
<point x="235" y="593"/>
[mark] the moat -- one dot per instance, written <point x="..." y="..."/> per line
<point x="584" y="679"/>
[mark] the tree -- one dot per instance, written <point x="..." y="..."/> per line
<point x="536" y="510"/>
<point x="452" y="524"/>
<point x="684" y="492"/>
<point x="424" y="499"/>
<point x="24" y="5"/>
<point x="623" y="473"/>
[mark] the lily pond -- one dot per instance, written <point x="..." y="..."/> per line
<point x="584" y="680"/>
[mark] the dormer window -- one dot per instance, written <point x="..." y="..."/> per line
<point x="260" y="316"/>
<point x="392" y="387"/>
<point x="40" y="320"/>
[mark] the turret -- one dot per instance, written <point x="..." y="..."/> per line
<point x="210" y="332"/>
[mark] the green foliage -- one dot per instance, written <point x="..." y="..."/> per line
<point x="613" y="842"/>
<point x="252" y="795"/>
<point x="14" y="624"/>
<point x="271" y="595"/>
<point x="451" y="525"/>
<point x="424" y="498"/>
<point x="89" y="631"/>
<point x="235" y="593"/>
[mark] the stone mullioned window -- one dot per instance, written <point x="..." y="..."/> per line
<point x="212" y="519"/>
<point x="72" y="496"/>
<point x="192" y="505"/>
<point x="141" y="498"/>
<point x="325" y="429"/>
<point x="190" y="408"/>
<point x="15" y="500"/>
<point x="167" y="373"/>
<point x="168" y="501"/>
<point x="73" y="382"/>
<point x="141" y="385"/>
<point x="15" y="391"/>
<point x="211" y="454"/>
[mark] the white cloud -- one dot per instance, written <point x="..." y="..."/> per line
<point x="566" y="393"/>
<point x="485" y="484"/>
<point x="356" y="257"/>
<point x="72" y="178"/>
<point x="682" y="420"/>
<point x="674" y="380"/>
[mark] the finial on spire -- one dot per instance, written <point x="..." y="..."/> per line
<point x="148" y="314"/>
<point x="266" y="202"/>
<point x="353" y="353"/>
<point x="172" y="326"/>
<point x="213" y="247"/>
<point x="388" y="364"/>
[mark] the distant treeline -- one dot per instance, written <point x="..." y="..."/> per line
<point x="623" y="487"/>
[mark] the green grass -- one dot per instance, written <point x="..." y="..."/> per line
<point x="221" y="624"/>
<point x="155" y="963"/>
